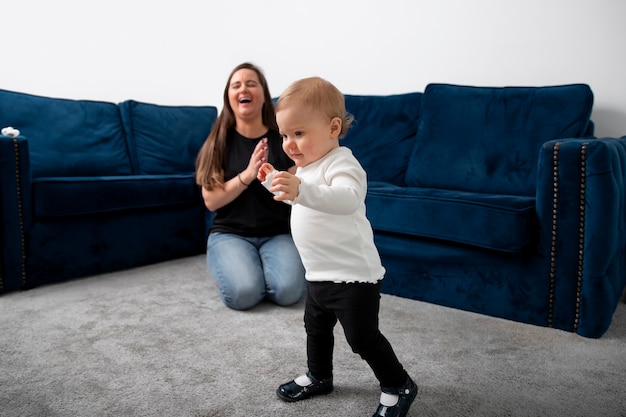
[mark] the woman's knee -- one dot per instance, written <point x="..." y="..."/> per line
<point x="289" y="293"/>
<point x="241" y="299"/>
<point x="241" y="284"/>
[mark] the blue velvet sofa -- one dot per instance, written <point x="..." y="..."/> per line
<point x="496" y="200"/>
<point x="91" y="187"/>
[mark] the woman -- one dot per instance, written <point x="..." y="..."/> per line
<point x="250" y="252"/>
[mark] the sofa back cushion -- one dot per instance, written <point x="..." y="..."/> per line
<point x="383" y="133"/>
<point x="165" y="139"/>
<point x="487" y="139"/>
<point x="67" y="138"/>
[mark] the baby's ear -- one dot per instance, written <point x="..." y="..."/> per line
<point x="335" y="127"/>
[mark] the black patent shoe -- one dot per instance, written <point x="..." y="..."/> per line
<point x="407" y="394"/>
<point x="293" y="392"/>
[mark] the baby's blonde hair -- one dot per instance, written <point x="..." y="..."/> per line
<point x="317" y="94"/>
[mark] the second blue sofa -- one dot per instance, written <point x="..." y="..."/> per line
<point x="91" y="186"/>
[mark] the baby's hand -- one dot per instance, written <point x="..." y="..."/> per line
<point x="266" y="176"/>
<point x="269" y="178"/>
<point x="285" y="186"/>
<point x="264" y="170"/>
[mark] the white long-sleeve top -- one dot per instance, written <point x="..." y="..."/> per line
<point x="328" y="223"/>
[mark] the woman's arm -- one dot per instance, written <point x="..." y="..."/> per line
<point x="218" y="197"/>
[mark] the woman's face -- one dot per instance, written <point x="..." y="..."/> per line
<point x="246" y="95"/>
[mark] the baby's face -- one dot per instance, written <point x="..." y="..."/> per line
<point x="307" y="135"/>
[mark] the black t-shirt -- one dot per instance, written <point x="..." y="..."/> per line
<point x="254" y="213"/>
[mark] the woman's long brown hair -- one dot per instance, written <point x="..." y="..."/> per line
<point x="210" y="160"/>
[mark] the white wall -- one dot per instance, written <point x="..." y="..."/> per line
<point x="181" y="51"/>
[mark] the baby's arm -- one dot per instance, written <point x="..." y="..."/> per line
<point x="341" y="191"/>
<point x="343" y="196"/>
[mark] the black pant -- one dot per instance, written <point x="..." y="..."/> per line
<point x="356" y="306"/>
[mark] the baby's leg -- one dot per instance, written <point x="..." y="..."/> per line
<point x="358" y="313"/>
<point x="319" y="323"/>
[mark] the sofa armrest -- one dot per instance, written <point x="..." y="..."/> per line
<point x="581" y="207"/>
<point x="15" y="211"/>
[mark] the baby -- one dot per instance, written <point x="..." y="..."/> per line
<point x="335" y="241"/>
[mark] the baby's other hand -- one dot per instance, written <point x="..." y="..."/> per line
<point x="265" y="169"/>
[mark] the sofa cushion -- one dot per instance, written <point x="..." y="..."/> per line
<point x="383" y="133"/>
<point x="55" y="196"/>
<point x="67" y="137"/>
<point x="165" y="139"/>
<point x="493" y="221"/>
<point x="487" y="139"/>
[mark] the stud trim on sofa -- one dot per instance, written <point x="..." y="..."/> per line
<point x="20" y="211"/>
<point x="555" y="222"/>
<point x="555" y="230"/>
<point x="581" y="235"/>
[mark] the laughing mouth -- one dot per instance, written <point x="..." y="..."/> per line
<point x="245" y="100"/>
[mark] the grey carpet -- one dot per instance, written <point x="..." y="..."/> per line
<point x="157" y="341"/>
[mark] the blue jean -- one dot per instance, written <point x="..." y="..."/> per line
<point x="251" y="269"/>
